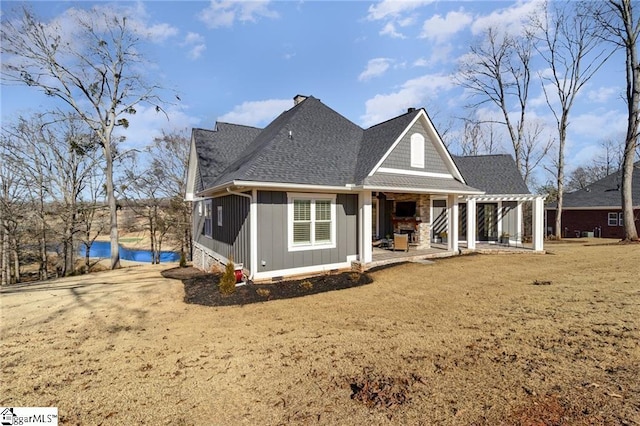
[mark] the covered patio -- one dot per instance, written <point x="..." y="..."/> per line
<point x="383" y="257"/>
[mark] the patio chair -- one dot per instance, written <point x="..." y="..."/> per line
<point x="401" y="242"/>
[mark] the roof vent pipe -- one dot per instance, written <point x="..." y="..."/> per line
<point x="411" y="109"/>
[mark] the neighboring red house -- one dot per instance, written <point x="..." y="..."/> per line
<point x="595" y="210"/>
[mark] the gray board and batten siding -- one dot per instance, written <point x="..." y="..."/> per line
<point x="232" y="239"/>
<point x="400" y="157"/>
<point x="273" y="239"/>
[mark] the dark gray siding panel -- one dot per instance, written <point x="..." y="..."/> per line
<point x="232" y="239"/>
<point x="400" y="157"/>
<point x="272" y="234"/>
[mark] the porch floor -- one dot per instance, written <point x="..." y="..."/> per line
<point x="382" y="257"/>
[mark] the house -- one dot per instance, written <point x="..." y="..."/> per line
<point x="312" y="190"/>
<point x="596" y="210"/>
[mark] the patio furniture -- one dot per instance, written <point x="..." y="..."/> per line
<point x="401" y="242"/>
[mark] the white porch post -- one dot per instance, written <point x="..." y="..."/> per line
<point x="471" y="224"/>
<point x="519" y="231"/>
<point x="253" y="233"/>
<point x="452" y="223"/>
<point x="538" y="223"/>
<point x="364" y="210"/>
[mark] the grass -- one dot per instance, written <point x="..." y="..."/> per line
<point x="467" y="340"/>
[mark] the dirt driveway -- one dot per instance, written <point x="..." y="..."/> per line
<point x="469" y="340"/>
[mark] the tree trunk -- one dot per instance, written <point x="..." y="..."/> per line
<point x="87" y="259"/>
<point x="111" y="197"/>
<point x="631" y="142"/>
<point x="560" y="180"/>
<point x="5" y="254"/>
<point x="16" y="261"/>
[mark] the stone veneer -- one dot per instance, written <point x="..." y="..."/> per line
<point x="423" y="209"/>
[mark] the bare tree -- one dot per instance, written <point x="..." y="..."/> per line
<point x="618" y="19"/>
<point x="13" y="193"/>
<point x="94" y="73"/>
<point x="479" y="137"/>
<point x="170" y="156"/>
<point x="498" y="72"/>
<point x="535" y="148"/>
<point x="571" y="47"/>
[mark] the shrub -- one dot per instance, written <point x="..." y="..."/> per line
<point x="354" y="276"/>
<point x="227" y="283"/>
<point x="264" y="292"/>
<point x="306" y="285"/>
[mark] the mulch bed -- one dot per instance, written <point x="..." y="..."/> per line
<point x="201" y="288"/>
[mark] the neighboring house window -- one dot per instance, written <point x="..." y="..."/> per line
<point x="219" y="215"/>
<point x="208" y="220"/>
<point x="417" y="150"/>
<point x="620" y="219"/>
<point x="613" y="219"/>
<point x="312" y="221"/>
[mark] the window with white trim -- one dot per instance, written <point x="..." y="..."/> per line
<point x="613" y="219"/>
<point x="207" y="229"/>
<point x="311" y="221"/>
<point x="620" y="219"/>
<point x="417" y="150"/>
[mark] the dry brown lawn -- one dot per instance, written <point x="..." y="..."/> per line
<point x="467" y="340"/>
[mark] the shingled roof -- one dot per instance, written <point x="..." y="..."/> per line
<point x="313" y="144"/>
<point x="494" y="174"/>
<point x="308" y="144"/>
<point x="218" y="148"/>
<point x="603" y="193"/>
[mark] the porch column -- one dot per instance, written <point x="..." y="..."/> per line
<point x="452" y="223"/>
<point x="519" y="230"/>
<point x="364" y="222"/>
<point x="471" y="224"/>
<point x="538" y="223"/>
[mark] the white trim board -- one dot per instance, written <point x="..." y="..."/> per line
<point x="415" y="173"/>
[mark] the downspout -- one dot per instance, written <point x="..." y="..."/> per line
<point x="251" y="231"/>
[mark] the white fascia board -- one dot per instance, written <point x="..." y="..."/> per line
<point x="419" y="190"/>
<point x="246" y="185"/>
<point x="191" y="171"/>
<point x="414" y="173"/>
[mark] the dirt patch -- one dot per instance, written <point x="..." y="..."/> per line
<point x="201" y="288"/>
<point x="466" y="341"/>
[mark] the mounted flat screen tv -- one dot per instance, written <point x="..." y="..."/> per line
<point x="405" y="208"/>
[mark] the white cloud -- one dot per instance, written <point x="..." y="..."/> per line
<point x="196" y="45"/>
<point x="420" y="62"/>
<point x="147" y="124"/>
<point x="440" y="29"/>
<point x="256" y="113"/>
<point x="510" y="19"/>
<point x="223" y="13"/>
<point x="375" y="68"/>
<point x="603" y="94"/>
<point x="392" y="9"/>
<point x="413" y="93"/>
<point x="598" y="125"/>
<point x="390" y="30"/>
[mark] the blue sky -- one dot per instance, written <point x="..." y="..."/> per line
<point x="243" y="62"/>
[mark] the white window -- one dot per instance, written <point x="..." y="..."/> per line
<point x="417" y="150"/>
<point x="219" y="215"/>
<point x="207" y="229"/>
<point x="613" y="219"/>
<point x="311" y="221"/>
<point x="620" y="219"/>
